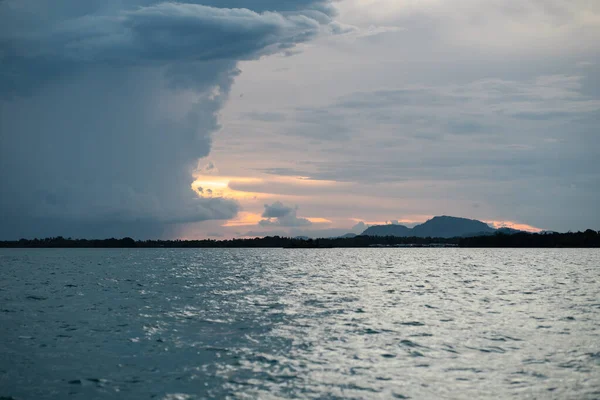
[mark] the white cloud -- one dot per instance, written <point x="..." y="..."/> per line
<point x="503" y="25"/>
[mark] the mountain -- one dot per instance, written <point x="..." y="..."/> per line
<point x="387" y="230"/>
<point x="442" y="226"/>
<point x="446" y="227"/>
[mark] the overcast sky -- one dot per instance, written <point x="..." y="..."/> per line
<point x="306" y="117"/>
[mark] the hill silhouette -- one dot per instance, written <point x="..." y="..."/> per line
<point x="388" y="230"/>
<point x="442" y="227"/>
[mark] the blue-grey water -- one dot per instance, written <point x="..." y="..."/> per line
<point x="275" y="323"/>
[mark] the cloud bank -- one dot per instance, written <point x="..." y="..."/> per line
<point x="106" y="107"/>
<point x="484" y="109"/>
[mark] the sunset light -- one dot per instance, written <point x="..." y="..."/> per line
<point x="299" y="199"/>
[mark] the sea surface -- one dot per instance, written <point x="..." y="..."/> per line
<point x="179" y="324"/>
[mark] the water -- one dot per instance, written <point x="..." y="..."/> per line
<point x="274" y="323"/>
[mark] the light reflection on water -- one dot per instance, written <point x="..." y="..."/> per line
<point x="275" y="323"/>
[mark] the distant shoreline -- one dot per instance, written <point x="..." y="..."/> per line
<point x="587" y="239"/>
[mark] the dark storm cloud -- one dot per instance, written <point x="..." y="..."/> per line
<point x="150" y="34"/>
<point x="323" y="6"/>
<point x="105" y="106"/>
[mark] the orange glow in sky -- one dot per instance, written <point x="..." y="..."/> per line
<point x="221" y="186"/>
<point x="245" y="218"/>
<point x="513" y="225"/>
<point x="218" y="186"/>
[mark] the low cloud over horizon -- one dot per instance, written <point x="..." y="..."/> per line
<point x="201" y="118"/>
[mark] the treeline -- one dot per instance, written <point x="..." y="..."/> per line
<point x="266" y="242"/>
<point x="588" y="238"/>
<point x="61" y="242"/>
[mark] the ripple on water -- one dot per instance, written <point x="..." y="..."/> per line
<point x="412" y="323"/>
<point x="272" y="323"/>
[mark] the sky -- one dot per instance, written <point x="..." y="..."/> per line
<point x="231" y="118"/>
